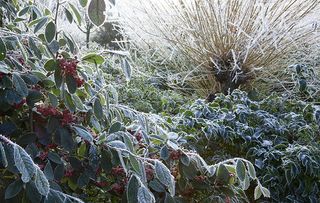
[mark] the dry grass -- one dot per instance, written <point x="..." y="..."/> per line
<point x="227" y="40"/>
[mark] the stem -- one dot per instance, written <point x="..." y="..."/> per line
<point x="56" y="18"/>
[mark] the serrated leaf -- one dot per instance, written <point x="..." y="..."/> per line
<point x="164" y="176"/>
<point x="76" y="13"/>
<point x="240" y="170"/>
<point x="96" y="12"/>
<point x="50" y="31"/>
<point x="145" y="196"/>
<point x="20" y="85"/>
<point x="83" y="133"/>
<point x="13" y="189"/>
<point x="93" y="58"/>
<point x="3" y="50"/>
<point x="24" y="164"/>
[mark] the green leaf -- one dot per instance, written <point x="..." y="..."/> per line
<point x="83" y="133"/>
<point x="96" y="12"/>
<point x="48" y="171"/>
<point x="13" y="189"/>
<point x="3" y="158"/>
<point x="40" y="24"/>
<point x="50" y="31"/>
<point x="115" y="127"/>
<point x="164" y="176"/>
<point x="71" y="84"/>
<point x="223" y="174"/>
<point x="76" y="13"/>
<point x="145" y="196"/>
<point x="69" y="102"/>
<point x="185" y="160"/>
<point x="117" y="144"/>
<point x="51" y="65"/>
<point x="3" y="50"/>
<point x="69" y="15"/>
<point x="24" y="11"/>
<point x="265" y="191"/>
<point x="257" y="192"/>
<point x="94" y="58"/>
<point x="83" y="3"/>
<point x="240" y="170"/>
<point x="70" y="43"/>
<point x="134" y="163"/>
<point x="41" y="183"/>
<point x="251" y="170"/>
<point x="58" y="77"/>
<point x="53" y="99"/>
<point x="97" y="109"/>
<point x="132" y="189"/>
<point x="164" y="153"/>
<point x="20" y="85"/>
<point x="54" y="157"/>
<point x="77" y="101"/>
<point x="34" y="48"/>
<point x="24" y="164"/>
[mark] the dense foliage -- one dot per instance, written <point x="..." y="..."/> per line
<point x="279" y="135"/>
<point x="65" y="138"/>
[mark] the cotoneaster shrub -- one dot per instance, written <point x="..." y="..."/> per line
<point x="63" y="139"/>
<point x="281" y="136"/>
<point x="227" y="41"/>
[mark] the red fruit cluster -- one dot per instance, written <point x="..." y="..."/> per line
<point x="175" y="155"/>
<point x="118" y="171"/>
<point x="68" y="173"/>
<point x="67" y="118"/>
<point x="52" y="146"/>
<point x="69" y="68"/>
<point x="118" y="188"/>
<point x="48" y="111"/>
<point x="200" y="178"/>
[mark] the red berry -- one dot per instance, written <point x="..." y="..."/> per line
<point x="102" y="184"/>
<point x="67" y="118"/>
<point x="175" y="155"/>
<point x="200" y="178"/>
<point x="19" y="105"/>
<point x="68" y="173"/>
<point x="79" y="81"/>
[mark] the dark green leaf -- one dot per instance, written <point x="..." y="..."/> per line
<point x="69" y="15"/>
<point x="96" y="12"/>
<point x="48" y="171"/>
<point x="13" y="189"/>
<point x="223" y="174"/>
<point x="240" y="170"/>
<point x="83" y="133"/>
<point x="51" y="65"/>
<point x="145" y="196"/>
<point x="41" y="183"/>
<point x="54" y="157"/>
<point x="24" y="164"/>
<point x="83" y="3"/>
<point x="76" y="13"/>
<point x="97" y="109"/>
<point x="50" y="31"/>
<point x="20" y="85"/>
<point x="164" y="176"/>
<point x="71" y="84"/>
<point x="115" y="127"/>
<point x="40" y="24"/>
<point x="132" y="189"/>
<point x="34" y="48"/>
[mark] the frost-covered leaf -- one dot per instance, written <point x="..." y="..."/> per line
<point x="41" y="183"/>
<point x="24" y="164"/>
<point x="145" y="196"/>
<point x="165" y="177"/>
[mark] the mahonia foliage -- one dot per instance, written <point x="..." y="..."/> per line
<point x="64" y="140"/>
<point x="279" y="135"/>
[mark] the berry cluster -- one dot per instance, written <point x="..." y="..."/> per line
<point x="43" y="155"/>
<point x="65" y="116"/>
<point x="200" y="178"/>
<point x="102" y="184"/>
<point x="20" y="104"/>
<point x="118" y="188"/>
<point x="69" y="68"/>
<point x="69" y="173"/>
